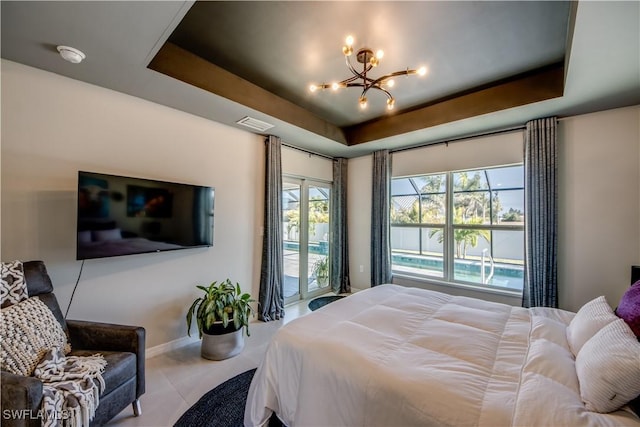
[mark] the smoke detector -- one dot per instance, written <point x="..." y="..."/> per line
<point x="71" y="54"/>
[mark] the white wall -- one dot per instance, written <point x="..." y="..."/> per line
<point x="53" y="126"/>
<point x="359" y="189"/>
<point x="599" y="206"/>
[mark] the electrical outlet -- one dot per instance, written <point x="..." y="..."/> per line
<point x="361" y="268"/>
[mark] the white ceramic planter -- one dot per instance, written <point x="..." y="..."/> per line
<point x="223" y="346"/>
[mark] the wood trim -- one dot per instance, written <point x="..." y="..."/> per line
<point x="183" y="65"/>
<point x="538" y="85"/>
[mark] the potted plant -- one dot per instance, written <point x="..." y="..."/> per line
<point x="321" y="271"/>
<point x="222" y="314"/>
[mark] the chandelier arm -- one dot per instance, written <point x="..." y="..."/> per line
<point x="349" y="80"/>
<point x="366" y="89"/>
<point x="407" y="72"/>
<point x="356" y="85"/>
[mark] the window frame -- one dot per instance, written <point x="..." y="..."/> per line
<point x="449" y="227"/>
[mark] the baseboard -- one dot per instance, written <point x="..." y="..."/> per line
<point x="171" y="345"/>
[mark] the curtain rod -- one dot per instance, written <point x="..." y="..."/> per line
<point x="307" y="151"/>
<point x="461" y="138"/>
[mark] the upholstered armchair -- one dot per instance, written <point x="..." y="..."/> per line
<point x="122" y="346"/>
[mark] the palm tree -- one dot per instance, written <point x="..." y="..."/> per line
<point x="463" y="237"/>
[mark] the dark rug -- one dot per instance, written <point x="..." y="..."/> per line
<point x="322" y="301"/>
<point x="223" y="406"/>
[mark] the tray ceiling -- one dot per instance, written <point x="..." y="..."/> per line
<point x="492" y="65"/>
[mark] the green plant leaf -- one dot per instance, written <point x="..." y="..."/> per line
<point x="236" y="319"/>
<point x="192" y="309"/>
<point x="225" y="319"/>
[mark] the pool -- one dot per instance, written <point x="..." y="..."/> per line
<point x="507" y="276"/>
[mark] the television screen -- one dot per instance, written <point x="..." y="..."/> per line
<point x="120" y="215"/>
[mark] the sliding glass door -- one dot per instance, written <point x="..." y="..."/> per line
<point x="306" y="237"/>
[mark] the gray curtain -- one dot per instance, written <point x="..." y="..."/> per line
<point x="339" y="237"/>
<point x="541" y="223"/>
<point x="380" y="228"/>
<point x="271" y="298"/>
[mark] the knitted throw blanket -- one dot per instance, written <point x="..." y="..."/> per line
<point x="71" y="388"/>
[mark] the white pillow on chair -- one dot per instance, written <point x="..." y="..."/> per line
<point x="28" y="330"/>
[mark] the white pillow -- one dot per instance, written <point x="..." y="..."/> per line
<point x="588" y="321"/>
<point x="28" y="330"/>
<point x="608" y="368"/>
<point x="105" y="235"/>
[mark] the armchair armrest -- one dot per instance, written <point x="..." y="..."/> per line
<point x="21" y="398"/>
<point x="85" y="335"/>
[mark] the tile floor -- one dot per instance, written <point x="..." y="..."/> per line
<point x="177" y="379"/>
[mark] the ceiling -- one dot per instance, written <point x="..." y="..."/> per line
<point x="492" y="65"/>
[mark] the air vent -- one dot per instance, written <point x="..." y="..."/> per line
<point x="254" y="124"/>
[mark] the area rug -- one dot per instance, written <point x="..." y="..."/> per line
<point x="223" y="406"/>
<point x="322" y="301"/>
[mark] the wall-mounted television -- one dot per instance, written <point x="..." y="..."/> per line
<point x="119" y="215"/>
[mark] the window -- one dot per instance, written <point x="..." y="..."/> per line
<point x="462" y="227"/>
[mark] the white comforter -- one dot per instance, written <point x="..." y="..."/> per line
<point x="397" y="356"/>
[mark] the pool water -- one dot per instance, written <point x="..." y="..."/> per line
<point x="506" y="276"/>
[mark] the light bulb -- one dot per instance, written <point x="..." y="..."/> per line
<point x="313" y="88"/>
<point x="391" y="103"/>
<point x="390" y="83"/>
<point x="379" y="54"/>
<point x="335" y="86"/>
<point x="348" y="50"/>
<point x="374" y="61"/>
<point x="422" y="71"/>
<point x="363" y="102"/>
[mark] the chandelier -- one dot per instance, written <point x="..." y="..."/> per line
<point x="369" y="60"/>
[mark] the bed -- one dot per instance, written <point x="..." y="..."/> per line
<point x="401" y="356"/>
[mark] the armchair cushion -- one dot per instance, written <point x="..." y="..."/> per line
<point x="108" y="337"/>
<point x="29" y="330"/>
<point x="122" y="367"/>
